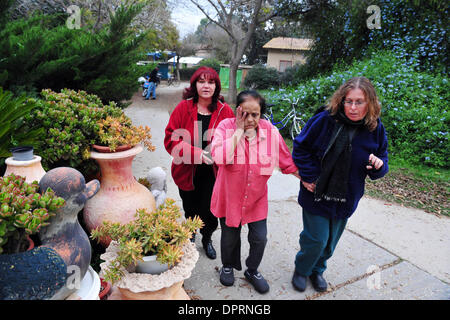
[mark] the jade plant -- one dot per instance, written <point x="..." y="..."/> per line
<point x="159" y="233"/>
<point x="24" y="211"/>
<point x="73" y="121"/>
<point x="118" y="131"/>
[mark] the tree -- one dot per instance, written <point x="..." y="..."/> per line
<point x="251" y="14"/>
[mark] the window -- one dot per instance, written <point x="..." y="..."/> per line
<point x="284" y="64"/>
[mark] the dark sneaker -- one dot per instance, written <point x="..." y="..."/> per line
<point x="227" y="276"/>
<point x="209" y="249"/>
<point x="318" y="282"/>
<point x="257" y="280"/>
<point x="299" y="282"/>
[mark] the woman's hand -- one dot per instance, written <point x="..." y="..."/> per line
<point x="206" y="157"/>
<point x="309" y="186"/>
<point x="374" y="162"/>
<point x="295" y="174"/>
<point x="240" y="118"/>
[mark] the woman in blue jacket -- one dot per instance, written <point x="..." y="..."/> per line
<point x="334" y="153"/>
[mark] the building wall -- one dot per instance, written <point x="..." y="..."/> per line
<point x="274" y="57"/>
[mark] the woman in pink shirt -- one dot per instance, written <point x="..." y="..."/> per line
<point x="246" y="150"/>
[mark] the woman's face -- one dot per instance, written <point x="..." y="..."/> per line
<point x="355" y="105"/>
<point x="205" y="87"/>
<point x="253" y="109"/>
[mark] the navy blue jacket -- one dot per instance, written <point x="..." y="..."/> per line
<point x="309" y="148"/>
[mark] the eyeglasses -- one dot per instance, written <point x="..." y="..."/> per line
<point x="357" y="103"/>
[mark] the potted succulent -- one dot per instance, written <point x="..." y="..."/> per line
<point x="159" y="233"/>
<point x="24" y="211"/>
<point x="119" y="134"/>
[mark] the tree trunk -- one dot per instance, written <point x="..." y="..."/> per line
<point x="232" y="88"/>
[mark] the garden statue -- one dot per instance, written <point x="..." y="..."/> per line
<point x="158" y="186"/>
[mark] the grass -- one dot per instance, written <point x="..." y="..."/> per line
<point x="411" y="186"/>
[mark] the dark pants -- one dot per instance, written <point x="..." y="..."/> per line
<point x="318" y="240"/>
<point x="198" y="201"/>
<point x="230" y="244"/>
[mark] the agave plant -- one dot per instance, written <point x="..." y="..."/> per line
<point x="12" y="131"/>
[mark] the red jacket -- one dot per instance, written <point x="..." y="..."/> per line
<point x="183" y="143"/>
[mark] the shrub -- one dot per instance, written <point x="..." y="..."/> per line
<point x="212" y="63"/>
<point x="407" y="28"/>
<point x="260" y="77"/>
<point x="413" y="103"/>
<point x="41" y="52"/>
<point x="70" y="120"/>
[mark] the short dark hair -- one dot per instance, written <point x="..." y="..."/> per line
<point x="244" y="95"/>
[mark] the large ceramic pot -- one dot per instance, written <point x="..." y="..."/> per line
<point x="120" y="194"/>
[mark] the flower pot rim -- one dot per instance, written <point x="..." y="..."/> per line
<point x="107" y="149"/>
<point x="117" y="155"/>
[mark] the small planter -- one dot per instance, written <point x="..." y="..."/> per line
<point x="22" y="153"/>
<point x="151" y="265"/>
<point x="165" y="286"/>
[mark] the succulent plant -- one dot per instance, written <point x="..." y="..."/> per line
<point x="117" y="131"/>
<point x="159" y="232"/>
<point x="23" y="211"/>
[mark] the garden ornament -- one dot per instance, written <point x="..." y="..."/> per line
<point x="158" y="186"/>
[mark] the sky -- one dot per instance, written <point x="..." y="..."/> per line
<point x="186" y="17"/>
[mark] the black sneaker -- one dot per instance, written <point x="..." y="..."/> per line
<point x="227" y="276"/>
<point x="257" y="280"/>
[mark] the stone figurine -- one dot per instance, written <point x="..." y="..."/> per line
<point x="158" y="186"/>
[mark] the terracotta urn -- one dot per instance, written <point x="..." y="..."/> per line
<point x="30" y="169"/>
<point x="120" y="194"/>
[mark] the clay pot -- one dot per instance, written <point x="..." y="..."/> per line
<point x="120" y="195"/>
<point x="30" y="169"/>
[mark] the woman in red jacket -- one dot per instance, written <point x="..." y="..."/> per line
<point x="187" y="137"/>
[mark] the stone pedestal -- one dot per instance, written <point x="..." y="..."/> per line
<point x="141" y="286"/>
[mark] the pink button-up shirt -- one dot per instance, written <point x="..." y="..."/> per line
<point x="240" y="191"/>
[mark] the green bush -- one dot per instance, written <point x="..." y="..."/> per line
<point x="260" y="77"/>
<point x="414" y="104"/>
<point x="12" y="128"/>
<point x="40" y="52"/>
<point x="70" y="121"/>
<point x="212" y="63"/>
<point x="408" y="28"/>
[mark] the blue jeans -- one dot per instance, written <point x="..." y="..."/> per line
<point x="318" y="240"/>
<point x="151" y="90"/>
